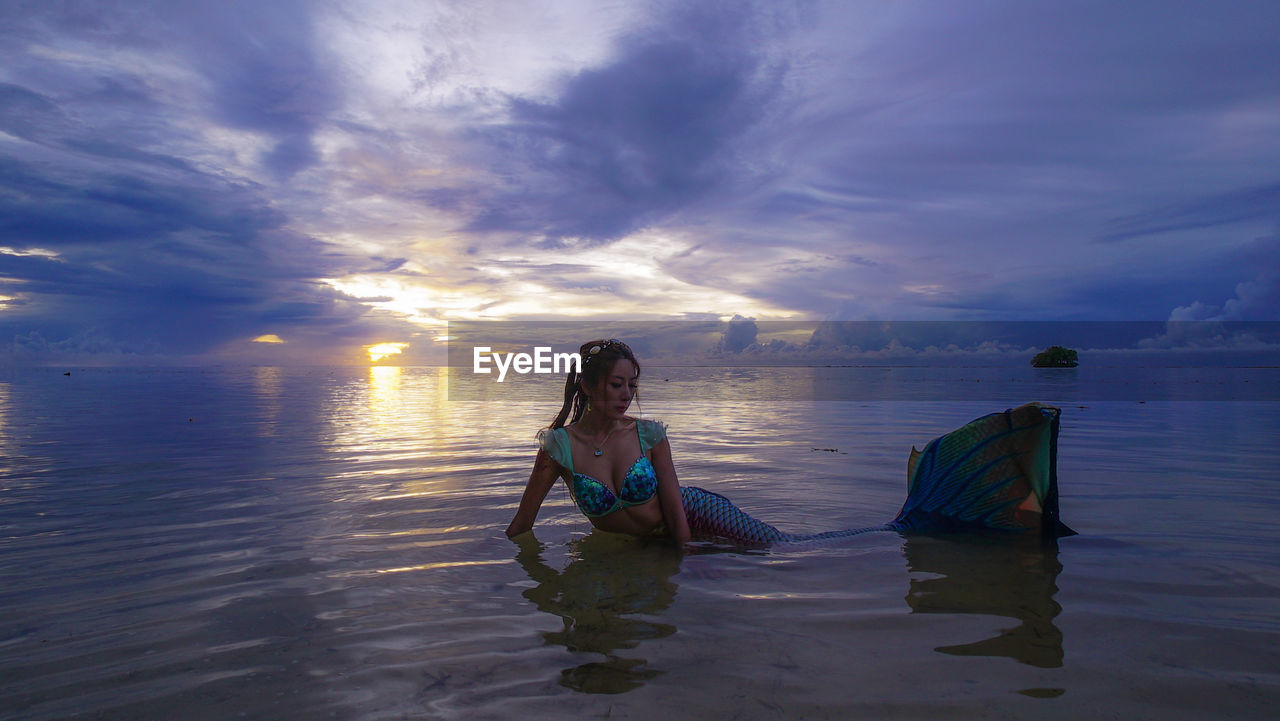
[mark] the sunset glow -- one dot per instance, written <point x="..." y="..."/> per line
<point x="379" y="351"/>
<point x="232" y="183"/>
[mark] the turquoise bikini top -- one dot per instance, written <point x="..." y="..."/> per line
<point x="593" y="497"/>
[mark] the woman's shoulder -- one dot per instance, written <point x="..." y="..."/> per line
<point x="555" y="441"/>
<point x="546" y="434"/>
<point x="652" y="432"/>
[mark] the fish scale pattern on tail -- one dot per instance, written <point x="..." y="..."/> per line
<point x="712" y="514"/>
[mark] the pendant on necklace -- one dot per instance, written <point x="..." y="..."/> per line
<point x="599" y="452"/>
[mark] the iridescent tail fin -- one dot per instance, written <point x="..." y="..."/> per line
<point x="999" y="471"/>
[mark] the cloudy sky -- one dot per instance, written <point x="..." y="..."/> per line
<point x="292" y="181"/>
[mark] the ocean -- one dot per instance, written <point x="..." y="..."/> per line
<point x="327" y="543"/>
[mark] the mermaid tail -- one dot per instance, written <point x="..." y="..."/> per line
<point x="997" y="472"/>
<point x="711" y="514"/>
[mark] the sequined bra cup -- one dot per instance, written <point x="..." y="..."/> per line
<point x="593" y="497"/>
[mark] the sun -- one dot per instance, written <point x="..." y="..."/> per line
<point x="378" y="351"/>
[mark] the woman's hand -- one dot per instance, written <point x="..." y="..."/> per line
<point x="543" y="477"/>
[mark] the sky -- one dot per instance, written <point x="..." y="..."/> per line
<point x="292" y="182"/>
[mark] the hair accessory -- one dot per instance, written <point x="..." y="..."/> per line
<point x="594" y="350"/>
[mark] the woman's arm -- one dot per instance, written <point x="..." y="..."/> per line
<point x="669" y="492"/>
<point x="543" y="477"/>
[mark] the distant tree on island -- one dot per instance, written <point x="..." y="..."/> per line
<point x="1055" y="356"/>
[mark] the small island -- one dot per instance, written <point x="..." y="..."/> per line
<point x="1056" y="356"/>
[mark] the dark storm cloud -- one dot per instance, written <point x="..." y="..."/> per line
<point x="266" y="75"/>
<point x="51" y="210"/>
<point x="112" y="245"/>
<point x="261" y="68"/>
<point x="629" y="142"/>
<point x="28" y="114"/>
<point x="984" y="149"/>
<point x="176" y="266"/>
<point x="117" y="243"/>
<point x="1217" y="210"/>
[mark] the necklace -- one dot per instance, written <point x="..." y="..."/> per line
<point x="600" y="446"/>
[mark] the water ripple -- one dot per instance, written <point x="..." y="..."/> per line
<point x="326" y="543"/>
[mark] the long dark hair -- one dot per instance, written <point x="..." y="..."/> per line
<point x="598" y="357"/>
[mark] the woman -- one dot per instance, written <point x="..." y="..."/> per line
<point x="618" y="469"/>
<point x="997" y="472"/>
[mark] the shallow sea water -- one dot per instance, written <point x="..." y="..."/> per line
<point x="327" y="543"/>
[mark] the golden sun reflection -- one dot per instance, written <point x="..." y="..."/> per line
<point x="378" y="351"/>
<point x="442" y="564"/>
<point x="384" y="386"/>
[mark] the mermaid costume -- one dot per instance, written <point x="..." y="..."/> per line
<point x="995" y="473"/>
<point x="593" y="497"/>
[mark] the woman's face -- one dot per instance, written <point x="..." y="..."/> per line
<point x="612" y="396"/>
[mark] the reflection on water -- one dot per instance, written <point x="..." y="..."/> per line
<point x="268" y="387"/>
<point x="4" y="414"/>
<point x="326" y="543"/>
<point x="384" y="392"/>
<point x="992" y="576"/>
<point x="8" y="456"/>
<point x="609" y="582"/>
